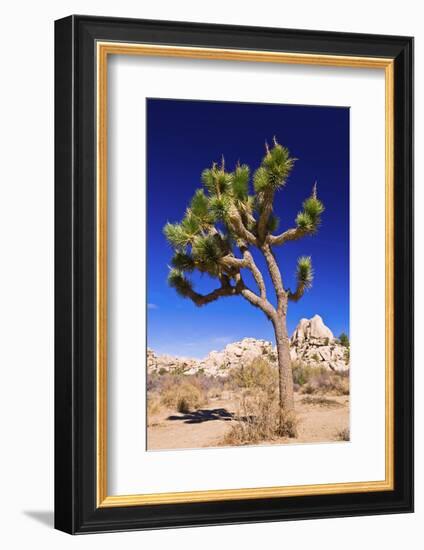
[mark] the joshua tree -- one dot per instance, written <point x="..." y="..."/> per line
<point x="223" y="224"/>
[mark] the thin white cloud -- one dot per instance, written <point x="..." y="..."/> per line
<point x="152" y="306"/>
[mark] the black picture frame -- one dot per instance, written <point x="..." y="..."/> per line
<point x="76" y="510"/>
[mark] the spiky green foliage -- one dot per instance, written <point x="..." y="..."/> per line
<point x="175" y="235"/>
<point x="309" y="218"/>
<point x="183" y="262"/>
<point x="240" y="182"/>
<point x="218" y="216"/>
<point x="207" y="250"/>
<point x="216" y="180"/>
<point x="274" y="170"/>
<point x="304" y="272"/>
<point x="313" y="207"/>
<point x="199" y="207"/>
<point x="260" y="180"/>
<point x="304" y="222"/>
<point x="177" y="280"/>
<point x="190" y="226"/>
<point x="219" y="206"/>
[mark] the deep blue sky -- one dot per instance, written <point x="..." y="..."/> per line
<point x="183" y="138"/>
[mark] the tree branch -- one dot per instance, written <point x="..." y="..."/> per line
<point x="257" y="275"/>
<point x="290" y="235"/>
<point x="275" y="275"/>
<point x="254" y="299"/>
<point x="266" y="211"/>
<point x="232" y="261"/>
<point x="226" y="289"/>
<point x="247" y="262"/>
<point x="238" y="226"/>
<point x="296" y="296"/>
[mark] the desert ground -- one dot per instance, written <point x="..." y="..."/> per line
<point x="241" y="408"/>
<point x="321" y="419"/>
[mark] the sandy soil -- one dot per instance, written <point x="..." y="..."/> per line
<point x="206" y="427"/>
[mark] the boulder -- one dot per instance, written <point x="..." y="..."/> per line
<point x="311" y="329"/>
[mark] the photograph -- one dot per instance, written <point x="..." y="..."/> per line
<point x="233" y="231"/>
<point x="247" y="257"/>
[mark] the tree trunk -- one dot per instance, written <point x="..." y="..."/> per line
<point x="284" y="366"/>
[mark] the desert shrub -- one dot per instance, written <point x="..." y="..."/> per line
<point x="215" y="392"/>
<point x="189" y="397"/>
<point x="302" y="373"/>
<point x="163" y="370"/>
<point x="346" y="355"/>
<point x="309" y="389"/>
<point x="183" y="397"/>
<point x="321" y="401"/>
<point x="151" y="382"/>
<point x="258" y="417"/>
<point x="258" y="420"/>
<point x="343" y="435"/>
<point x="257" y="375"/>
<point x="180" y="369"/>
<point x="344" y="340"/>
<point x="153" y="406"/>
<point x="169" y="386"/>
<point x="326" y="381"/>
<point x="288" y="425"/>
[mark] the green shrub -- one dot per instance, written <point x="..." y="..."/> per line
<point x="344" y="339"/>
<point x="183" y="397"/>
<point x="257" y="375"/>
<point x="301" y="373"/>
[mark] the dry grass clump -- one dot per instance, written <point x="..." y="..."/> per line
<point x="343" y="435"/>
<point x="174" y="391"/>
<point x="312" y="380"/>
<point x="184" y="397"/>
<point x="321" y="402"/>
<point x="182" y="392"/>
<point x="258" y="417"/>
<point x="154" y="407"/>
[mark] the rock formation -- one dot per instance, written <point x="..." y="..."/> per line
<point x="310" y="330"/>
<point x="312" y="343"/>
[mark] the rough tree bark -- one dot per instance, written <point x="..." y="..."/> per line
<point x="284" y="366"/>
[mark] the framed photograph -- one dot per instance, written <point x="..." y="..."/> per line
<point x="234" y="274"/>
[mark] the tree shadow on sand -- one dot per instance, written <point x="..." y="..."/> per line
<point x="203" y="415"/>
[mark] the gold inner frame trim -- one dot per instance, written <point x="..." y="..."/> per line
<point x="103" y="50"/>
